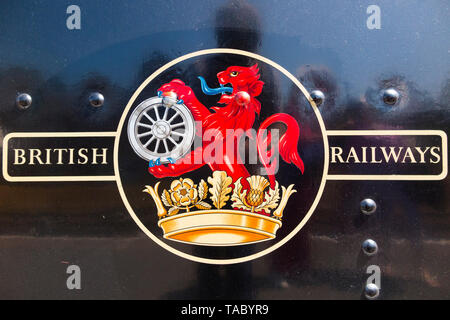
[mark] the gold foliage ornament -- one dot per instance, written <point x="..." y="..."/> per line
<point x="220" y="188"/>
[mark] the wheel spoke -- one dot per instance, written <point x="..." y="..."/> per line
<point x="173" y="117"/>
<point x="166" y="146"/>
<point x="149" y="141"/>
<point x="165" y="113"/>
<point x="156" y="112"/>
<point x="178" y="134"/>
<point x="140" y="124"/>
<point x="145" y="134"/>
<point x="148" y="117"/>
<point x="177" y="125"/>
<point x="157" y="145"/>
<point x="173" y="141"/>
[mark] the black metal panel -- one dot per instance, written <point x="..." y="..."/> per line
<point x="325" y="44"/>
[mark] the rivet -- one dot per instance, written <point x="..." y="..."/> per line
<point x="368" y="206"/>
<point x="391" y="96"/>
<point x="96" y="99"/>
<point x="318" y="97"/>
<point x="369" y="247"/>
<point x="371" y="291"/>
<point x="23" y="101"/>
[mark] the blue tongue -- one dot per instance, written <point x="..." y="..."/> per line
<point x="213" y="91"/>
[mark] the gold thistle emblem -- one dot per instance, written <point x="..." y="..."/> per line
<point x="185" y="214"/>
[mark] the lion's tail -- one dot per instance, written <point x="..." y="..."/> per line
<point x="287" y="146"/>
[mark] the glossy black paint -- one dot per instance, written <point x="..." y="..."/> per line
<point x="44" y="226"/>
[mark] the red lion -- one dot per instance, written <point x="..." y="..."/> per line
<point x="241" y="107"/>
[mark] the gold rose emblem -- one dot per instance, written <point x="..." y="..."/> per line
<point x="184" y="194"/>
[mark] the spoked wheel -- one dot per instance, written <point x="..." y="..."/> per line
<point x="161" y="130"/>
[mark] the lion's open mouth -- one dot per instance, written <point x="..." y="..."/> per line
<point x="227" y="85"/>
<point x="223" y="89"/>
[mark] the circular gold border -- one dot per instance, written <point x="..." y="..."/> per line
<point x="252" y="256"/>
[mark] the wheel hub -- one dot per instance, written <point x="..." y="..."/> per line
<point x="161" y="129"/>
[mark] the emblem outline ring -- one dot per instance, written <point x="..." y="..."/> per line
<point x="304" y="219"/>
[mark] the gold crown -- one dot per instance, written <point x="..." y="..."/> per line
<point x="257" y="216"/>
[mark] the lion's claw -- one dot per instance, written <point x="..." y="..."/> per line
<point x="152" y="164"/>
